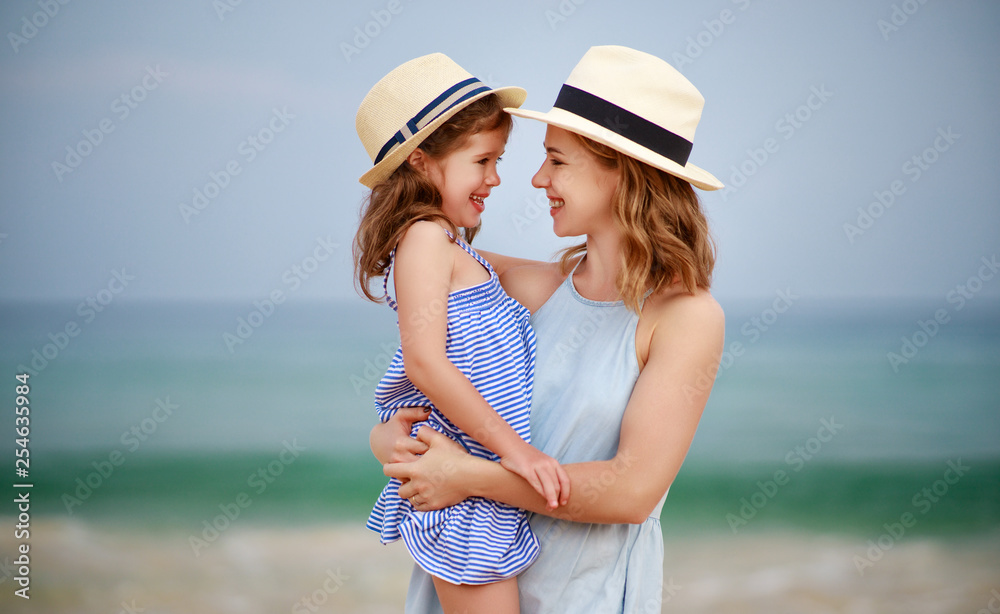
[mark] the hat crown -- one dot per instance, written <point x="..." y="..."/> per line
<point x="411" y="102"/>
<point x="403" y="93"/>
<point x="636" y="104"/>
<point x="642" y="84"/>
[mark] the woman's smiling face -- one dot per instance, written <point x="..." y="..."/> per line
<point x="578" y="186"/>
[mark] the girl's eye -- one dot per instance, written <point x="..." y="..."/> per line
<point x="499" y="158"/>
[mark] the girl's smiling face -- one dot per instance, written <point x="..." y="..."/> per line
<point x="578" y="186"/>
<point x="465" y="176"/>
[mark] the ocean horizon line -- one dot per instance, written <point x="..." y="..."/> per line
<point x="352" y="299"/>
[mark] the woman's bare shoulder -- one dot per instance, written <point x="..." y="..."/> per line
<point x="532" y="284"/>
<point x="676" y="307"/>
<point x="675" y="316"/>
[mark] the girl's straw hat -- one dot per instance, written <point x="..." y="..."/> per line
<point x="410" y="102"/>
<point x="635" y="103"/>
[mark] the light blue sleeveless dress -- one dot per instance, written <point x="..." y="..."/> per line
<point x="585" y="370"/>
<point x="489" y="339"/>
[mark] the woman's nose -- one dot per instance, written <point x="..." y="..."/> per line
<point x="540" y="178"/>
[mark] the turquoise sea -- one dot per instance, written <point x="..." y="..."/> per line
<point x="187" y="422"/>
<point x="151" y="420"/>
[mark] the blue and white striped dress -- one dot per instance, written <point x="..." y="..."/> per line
<point x="477" y="541"/>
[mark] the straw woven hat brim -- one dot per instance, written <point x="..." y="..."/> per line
<point x="698" y="177"/>
<point x="509" y="96"/>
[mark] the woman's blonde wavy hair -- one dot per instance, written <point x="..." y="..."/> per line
<point x="407" y="196"/>
<point x="665" y="236"/>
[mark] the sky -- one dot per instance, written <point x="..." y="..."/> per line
<point x="206" y="150"/>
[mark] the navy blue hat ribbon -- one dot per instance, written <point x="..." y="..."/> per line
<point x="462" y="90"/>
<point x="622" y="121"/>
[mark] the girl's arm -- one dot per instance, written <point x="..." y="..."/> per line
<point x="424" y="264"/>
<point x="657" y="428"/>
<point x="390" y="441"/>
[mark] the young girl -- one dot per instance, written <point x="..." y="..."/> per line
<point x="435" y="135"/>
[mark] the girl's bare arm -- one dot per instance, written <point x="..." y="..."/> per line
<point x="424" y="264"/>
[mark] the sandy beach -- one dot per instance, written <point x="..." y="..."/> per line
<point x="87" y="568"/>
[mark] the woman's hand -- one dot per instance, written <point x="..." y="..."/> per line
<point x="433" y="481"/>
<point x="391" y="442"/>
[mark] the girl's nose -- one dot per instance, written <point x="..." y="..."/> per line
<point x="493" y="177"/>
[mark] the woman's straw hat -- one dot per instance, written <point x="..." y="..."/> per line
<point x="410" y="102"/>
<point x="635" y="103"/>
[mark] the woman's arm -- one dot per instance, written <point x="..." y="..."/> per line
<point x="424" y="264"/>
<point x="502" y="263"/>
<point x="657" y="428"/>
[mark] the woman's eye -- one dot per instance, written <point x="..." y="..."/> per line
<point x="555" y="162"/>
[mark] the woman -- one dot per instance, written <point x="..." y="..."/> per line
<point x="628" y="342"/>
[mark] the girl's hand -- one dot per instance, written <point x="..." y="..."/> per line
<point x="391" y="442"/>
<point x="542" y="471"/>
<point x="433" y="481"/>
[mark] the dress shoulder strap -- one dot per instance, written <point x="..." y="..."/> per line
<point x="385" y="281"/>
<point x="392" y="260"/>
<point x="468" y="248"/>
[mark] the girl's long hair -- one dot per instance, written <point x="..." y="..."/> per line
<point x="407" y="196"/>
<point x="665" y="236"/>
